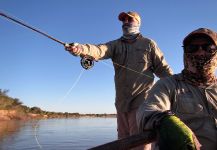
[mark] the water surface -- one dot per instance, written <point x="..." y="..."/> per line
<point x="57" y="134"/>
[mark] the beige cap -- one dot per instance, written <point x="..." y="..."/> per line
<point x="201" y="32"/>
<point x="135" y="15"/>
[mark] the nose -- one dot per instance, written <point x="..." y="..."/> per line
<point x="200" y="50"/>
<point x="125" y="21"/>
<point x="200" y="47"/>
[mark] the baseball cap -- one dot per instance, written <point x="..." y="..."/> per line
<point x="132" y="14"/>
<point x="212" y="35"/>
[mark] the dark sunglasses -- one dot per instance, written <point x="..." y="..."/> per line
<point x="129" y="19"/>
<point x="194" y="48"/>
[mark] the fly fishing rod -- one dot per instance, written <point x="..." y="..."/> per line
<point x="87" y="62"/>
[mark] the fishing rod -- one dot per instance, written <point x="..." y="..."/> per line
<point x="87" y="61"/>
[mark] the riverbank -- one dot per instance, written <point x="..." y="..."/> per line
<point x="6" y="115"/>
<point x="14" y="109"/>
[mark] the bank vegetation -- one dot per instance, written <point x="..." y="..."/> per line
<point x="13" y="108"/>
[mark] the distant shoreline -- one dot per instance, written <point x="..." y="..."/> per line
<point x="6" y="115"/>
<point x="13" y="109"/>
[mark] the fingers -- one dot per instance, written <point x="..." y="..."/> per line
<point x="73" y="48"/>
<point x="70" y="47"/>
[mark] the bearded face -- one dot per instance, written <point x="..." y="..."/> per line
<point x="200" y="56"/>
<point x="200" y="60"/>
<point x="130" y="26"/>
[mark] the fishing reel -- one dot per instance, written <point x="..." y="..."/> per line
<point x="87" y="62"/>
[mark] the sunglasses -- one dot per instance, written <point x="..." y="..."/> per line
<point x="129" y="19"/>
<point x="194" y="48"/>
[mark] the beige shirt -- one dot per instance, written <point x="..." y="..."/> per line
<point x="135" y="64"/>
<point x="195" y="106"/>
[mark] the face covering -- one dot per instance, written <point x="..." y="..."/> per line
<point x="130" y="30"/>
<point x="200" y="69"/>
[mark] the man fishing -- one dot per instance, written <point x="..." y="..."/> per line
<point x="135" y="59"/>
<point x="183" y="108"/>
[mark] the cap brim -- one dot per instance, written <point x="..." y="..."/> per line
<point x="123" y="15"/>
<point x="211" y="35"/>
<point x="187" y="40"/>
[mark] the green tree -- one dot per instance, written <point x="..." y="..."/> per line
<point x="36" y="110"/>
<point x="17" y="102"/>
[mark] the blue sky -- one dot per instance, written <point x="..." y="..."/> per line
<point x="41" y="73"/>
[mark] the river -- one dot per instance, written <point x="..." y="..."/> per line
<point x="57" y="134"/>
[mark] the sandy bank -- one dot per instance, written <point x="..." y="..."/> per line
<point x="15" y="115"/>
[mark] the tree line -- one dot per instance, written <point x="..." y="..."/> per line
<point x="9" y="103"/>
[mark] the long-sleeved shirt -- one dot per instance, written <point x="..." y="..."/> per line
<point x="135" y="65"/>
<point x="195" y="106"/>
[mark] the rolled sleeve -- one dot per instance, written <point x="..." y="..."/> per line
<point x="101" y="51"/>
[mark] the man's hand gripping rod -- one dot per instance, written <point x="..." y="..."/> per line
<point x="87" y="62"/>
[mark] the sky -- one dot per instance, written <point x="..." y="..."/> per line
<point x="39" y="72"/>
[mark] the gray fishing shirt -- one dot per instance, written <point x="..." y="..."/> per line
<point x="196" y="107"/>
<point x="135" y="65"/>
